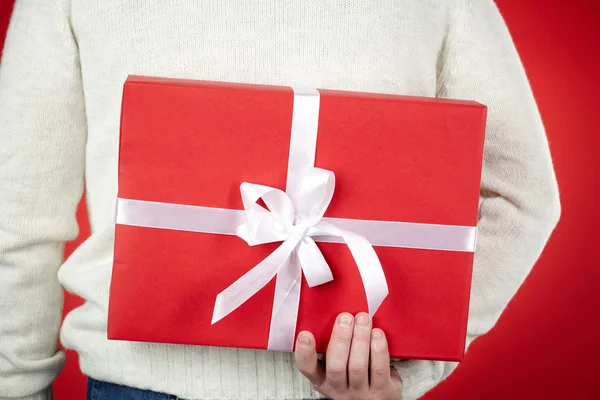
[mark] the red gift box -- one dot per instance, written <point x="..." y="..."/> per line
<point x="395" y="158"/>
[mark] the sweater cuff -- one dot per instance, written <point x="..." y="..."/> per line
<point x="46" y="394"/>
<point x="420" y="376"/>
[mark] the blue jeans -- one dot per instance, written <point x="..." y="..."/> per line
<point x="98" y="390"/>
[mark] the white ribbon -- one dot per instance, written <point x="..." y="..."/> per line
<point x="295" y="218"/>
<point x="225" y="221"/>
<point x="281" y="222"/>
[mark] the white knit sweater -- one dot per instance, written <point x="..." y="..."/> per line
<point x="61" y="79"/>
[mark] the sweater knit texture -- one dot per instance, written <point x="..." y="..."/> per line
<point x="61" y="79"/>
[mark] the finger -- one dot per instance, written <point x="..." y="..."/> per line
<point x="380" y="361"/>
<point x="338" y="350"/>
<point x="358" y="363"/>
<point x="396" y="378"/>
<point x="306" y="359"/>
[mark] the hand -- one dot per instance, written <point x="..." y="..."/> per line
<point x="346" y="373"/>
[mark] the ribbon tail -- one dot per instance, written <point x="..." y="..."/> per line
<point x="369" y="266"/>
<point x="285" y="305"/>
<point x="251" y="282"/>
<point x="316" y="270"/>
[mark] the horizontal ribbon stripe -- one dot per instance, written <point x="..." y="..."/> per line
<point x="222" y="221"/>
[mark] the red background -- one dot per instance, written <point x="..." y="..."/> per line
<point x="546" y="344"/>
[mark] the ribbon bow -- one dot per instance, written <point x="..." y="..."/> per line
<point x="295" y="225"/>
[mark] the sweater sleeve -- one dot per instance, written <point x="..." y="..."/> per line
<point x="42" y="142"/>
<point x="519" y="201"/>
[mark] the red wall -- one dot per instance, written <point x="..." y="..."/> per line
<point x="546" y="345"/>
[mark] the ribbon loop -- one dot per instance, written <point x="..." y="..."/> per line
<point x="265" y="226"/>
<point x="316" y="191"/>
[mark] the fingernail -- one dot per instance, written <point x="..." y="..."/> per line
<point x="362" y="320"/>
<point x="377" y="335"/>
<point x="303" y="341"/>
<point x="345" y="319"/>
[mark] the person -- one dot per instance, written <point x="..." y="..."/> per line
<point x="61" y="79"/>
